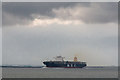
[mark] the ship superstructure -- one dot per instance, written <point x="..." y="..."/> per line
<point x="59" y="62"/>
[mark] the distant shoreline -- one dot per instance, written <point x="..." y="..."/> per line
<point x="22" y="66"/>
<point x="44" y="66"/>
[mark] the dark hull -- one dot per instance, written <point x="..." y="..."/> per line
<point x="64" y="64"/>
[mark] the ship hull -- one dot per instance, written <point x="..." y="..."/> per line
<point x="64" y="64"/>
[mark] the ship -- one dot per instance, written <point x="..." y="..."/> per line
<point x="60" y="63"/>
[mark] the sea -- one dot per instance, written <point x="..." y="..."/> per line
<point x="87" y="72"/>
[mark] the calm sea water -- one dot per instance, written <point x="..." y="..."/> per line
<point x="60" y="72"/>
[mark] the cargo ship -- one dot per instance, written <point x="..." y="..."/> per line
<point x="60" y="63"/>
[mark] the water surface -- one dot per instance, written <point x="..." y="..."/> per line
<point x="109" y="72"/>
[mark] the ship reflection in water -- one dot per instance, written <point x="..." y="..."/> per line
<point x="59" y="62"/>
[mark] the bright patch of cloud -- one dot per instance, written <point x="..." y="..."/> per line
<point x="46" y="22"/>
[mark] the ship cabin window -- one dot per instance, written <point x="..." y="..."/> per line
<point x="74" y="65"/>
<point x="71" y="65"/>
<point x="68" y="65"/>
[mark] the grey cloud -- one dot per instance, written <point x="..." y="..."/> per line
<point x="21" y="13"/>
<point x="10" y="19"/>
<point x="95" y="13"/>
<point x="26" y="10"/>
<point x="106" y="12"/>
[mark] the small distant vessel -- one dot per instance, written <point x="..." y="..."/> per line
<point x="59" y="62"/>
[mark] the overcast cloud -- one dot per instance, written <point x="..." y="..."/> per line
<point x="34" y="32"/>
<point x="25" y="13"/>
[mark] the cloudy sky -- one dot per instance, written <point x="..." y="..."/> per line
<point x="34" y="32"/>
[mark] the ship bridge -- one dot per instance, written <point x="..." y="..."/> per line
<point x="59" y="58"/>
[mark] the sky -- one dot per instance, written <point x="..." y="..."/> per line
<point x="34" y="32"/>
